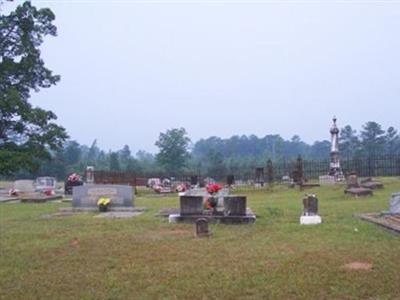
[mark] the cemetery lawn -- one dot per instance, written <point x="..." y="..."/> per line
<point x="81" y="257"/>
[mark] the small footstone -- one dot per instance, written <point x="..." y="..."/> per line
<point x="202" y="227"/>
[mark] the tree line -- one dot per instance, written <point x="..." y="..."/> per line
<point x="215" y="156"/>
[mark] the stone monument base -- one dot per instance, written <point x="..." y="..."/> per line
<point x="248" y="218"/>
<point x="358" y="192"/>
<point x="386" y="220"/>
<point x="373" y="185"/>
<point x="96" y="209"/>
<point x="39" y="198"/>
<point x="310" y="220"/>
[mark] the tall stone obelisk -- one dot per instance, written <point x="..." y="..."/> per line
<point x="334" y="167"/>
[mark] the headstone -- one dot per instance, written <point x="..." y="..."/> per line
<point x="270" y="173"/>
<point x="298" y="173"/>
<point x="44" y="183"/>
<point x="327" y="180"/>
<point x="90" y="174"/>
<point x="194" y="180"/>
<point x="24" y="186"/>
<point x="191" y="205"/>
<point x="354" y="188"/>
<point x="352" y="181"/>
<point x="87" y="195"/>
<point x="310" y="211"/>
<point x="230" y="180"/>
<point x="202" y="227"/>
<point x="310" y="204"/>
<point x="235" y="205"/>
<point x="259" y="178"/>
<point x="395" y="204"/>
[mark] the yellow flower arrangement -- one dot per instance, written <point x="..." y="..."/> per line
<point x="103" y="201"/>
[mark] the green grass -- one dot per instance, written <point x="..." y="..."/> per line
<point x="81" y="257"/>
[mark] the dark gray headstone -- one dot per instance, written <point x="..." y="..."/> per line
<point x="235" y="205"/>
<point x="194" y="180"/>
<point x="230" y="180"/>
<point x="87" y="195"/>
<point x="310" y="204"/>
<point x="191" y="205"/>
<point x="395" y="203"/>
<point x="202" y="227"/>
<point x="352" y="181"/>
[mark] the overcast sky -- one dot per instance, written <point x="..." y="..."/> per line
<point x="132" y="69"/>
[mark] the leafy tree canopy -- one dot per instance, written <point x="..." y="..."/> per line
<point x="27" y="134"/>
<point x="173" y="147"/>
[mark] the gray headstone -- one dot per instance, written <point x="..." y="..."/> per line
<point x="310" y="204"/>
<point x="395" y="203"/>
<point x="202" y="227"/>
<point x="24" y="186"/>
<point x="235" y="205"/>
<point x="87" y="195"/>
<point x="191" y="205"/>
<point x="90" y="174"/>
<point x="352" y="181"/>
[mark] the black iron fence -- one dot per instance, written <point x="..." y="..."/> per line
<point x="388" y="165"/>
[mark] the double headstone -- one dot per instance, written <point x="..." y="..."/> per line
<point x="86" y="196"/>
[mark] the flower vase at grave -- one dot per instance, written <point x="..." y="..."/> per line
<point x="103" y="208"/>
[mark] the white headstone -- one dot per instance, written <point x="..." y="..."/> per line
<point x="395" y="203"/>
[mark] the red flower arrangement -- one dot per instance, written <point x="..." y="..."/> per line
<point x="213" y="188"/>
<point x="211" y="202"/>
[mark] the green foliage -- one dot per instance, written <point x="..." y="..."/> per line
<point x="349" y="142"/>
<point x="392" y="141"/>
<point x="114" y="162"/>
<point x="173" y="153"/>
<point x="372" y="138"/>
<point x="26" y="133"/>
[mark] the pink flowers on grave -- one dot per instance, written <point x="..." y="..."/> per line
<point x="74" y="177"/>
<point x="13" y="192"/>
<point x="213" y="188"/>
<point x="49" y="192"/>
<point x="181" y="188"/>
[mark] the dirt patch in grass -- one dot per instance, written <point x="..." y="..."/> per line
<point x="170" y="232"/>
<point x="358" y="266"/>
